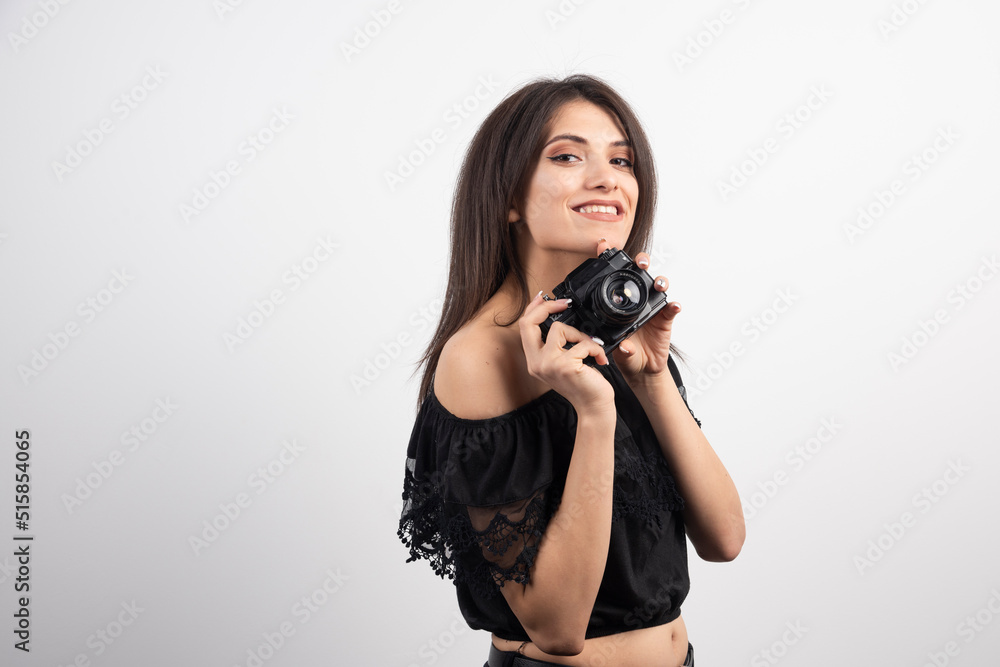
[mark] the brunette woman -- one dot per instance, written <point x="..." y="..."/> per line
<point x="558" y="495"/>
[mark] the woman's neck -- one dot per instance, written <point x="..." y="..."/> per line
<point x="544" y="269"/>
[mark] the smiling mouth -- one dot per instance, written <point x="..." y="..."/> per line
<point x="613" y="210"/>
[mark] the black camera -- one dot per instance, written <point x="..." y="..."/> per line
<point x="612" y="297"/>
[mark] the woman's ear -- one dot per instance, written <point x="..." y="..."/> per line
<point x="513" y="216"/>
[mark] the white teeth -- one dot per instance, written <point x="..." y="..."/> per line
<point x="598" y="209"/>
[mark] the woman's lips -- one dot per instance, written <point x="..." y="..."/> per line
<point x="600" y="212"/>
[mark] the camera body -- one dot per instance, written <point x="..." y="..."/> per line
<point x="612" y="297"/>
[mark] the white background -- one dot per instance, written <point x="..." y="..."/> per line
<point x="326" y="370"/>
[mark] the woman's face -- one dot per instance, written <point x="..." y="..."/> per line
<point x="583" y="188"/>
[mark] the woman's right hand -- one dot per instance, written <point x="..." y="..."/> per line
<point x="560" y="368"/>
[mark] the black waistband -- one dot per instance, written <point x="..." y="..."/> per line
<point x="500" y="658"/>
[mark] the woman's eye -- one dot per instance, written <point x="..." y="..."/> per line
<point x="564" y="157"/>
<point x="622" y="162"/>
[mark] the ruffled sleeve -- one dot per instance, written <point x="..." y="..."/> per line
<point x="478" y="494"/>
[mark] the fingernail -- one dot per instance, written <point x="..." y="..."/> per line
<point x="566" y="301"/>
<point x="539" y="294"/>
<point x="597" y="340"/>
<point x="643" y="262"/>
<point x="660" y="283"/>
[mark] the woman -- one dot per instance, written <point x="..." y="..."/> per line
<point x="556" y="493"/>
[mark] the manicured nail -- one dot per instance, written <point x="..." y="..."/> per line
<point x="568" y="302"/>
<point x="539" y="294"/>
<point x="660" y="283"/>
<point x="643" y="262"/>
<point x="597" y="340"/>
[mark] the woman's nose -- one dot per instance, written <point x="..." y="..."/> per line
<point x="601" y="175"/>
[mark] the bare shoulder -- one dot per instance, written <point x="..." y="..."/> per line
<point x="482" y="372"/>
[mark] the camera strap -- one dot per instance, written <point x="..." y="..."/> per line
<point x="675" y="373"/>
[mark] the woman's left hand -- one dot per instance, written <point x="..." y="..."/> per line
<point x="643" y="356"/>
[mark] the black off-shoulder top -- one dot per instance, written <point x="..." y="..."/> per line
<point x="478" y="495"/>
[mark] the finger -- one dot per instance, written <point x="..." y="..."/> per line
<point x="588" y="348"/>
<point x="642" y="260"/>
<point x="534" y="314"/>
<point x="561" y="333"/>
<point x="537" y="310"/>
<point x="531" y="335"/>
<point x="582" y="345"/>
<point x="670" y="311"/>
<point x="602" y="245"/>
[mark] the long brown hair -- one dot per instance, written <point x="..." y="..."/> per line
<point x="494" y="177"/>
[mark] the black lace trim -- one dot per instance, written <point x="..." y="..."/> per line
<point x="656" y="488"/>
<point x="442" y="533"/>
<point x="444" y="536"/>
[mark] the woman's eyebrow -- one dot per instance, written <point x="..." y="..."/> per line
<point x="569" y="137"/>
<point x="581" y="140"/>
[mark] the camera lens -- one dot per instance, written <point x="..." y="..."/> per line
<point x="621" y="297"/>
<point x="624" y="295"/>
